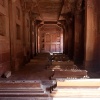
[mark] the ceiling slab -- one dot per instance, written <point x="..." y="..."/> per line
<point x="51" y="10"/>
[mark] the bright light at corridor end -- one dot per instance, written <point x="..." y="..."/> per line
<point x="76" y="98"/>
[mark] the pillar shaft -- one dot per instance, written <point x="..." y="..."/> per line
<point x="92" y="49"/>
<point x="71" y="40"/>
<point x="79" y="38"/>
<point x="65" y="40"/>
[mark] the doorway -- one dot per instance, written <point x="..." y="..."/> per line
<point x="50" y="38"/>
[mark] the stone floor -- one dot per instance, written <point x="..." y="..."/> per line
<point x="42" y="69"/>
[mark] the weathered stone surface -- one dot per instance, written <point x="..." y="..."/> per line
<point x="7" y="74"/>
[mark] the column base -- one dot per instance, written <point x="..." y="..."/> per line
<point x="92" y="66"/>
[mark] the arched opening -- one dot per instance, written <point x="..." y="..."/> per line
<point x="50" y="38"/>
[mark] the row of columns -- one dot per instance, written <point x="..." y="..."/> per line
<point x="83" y="36"/>
<point x="75" y="34"/>
<point x="80" y="34"/>
<point x="79" y="37"/>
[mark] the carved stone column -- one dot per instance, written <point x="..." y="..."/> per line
<point x="71" y="40"/>
<point x="69" y="34"/>
<point x="11" y="36"/>
<point x="37" y="27"/>
<point x="65" y="36"/>
<point x="79" y="36"/>
<point x="34" y="33"/>
<point x="92" y="61"/>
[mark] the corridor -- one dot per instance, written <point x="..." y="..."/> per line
<point x="48" y="77"/>
<point x="49" y="49"/>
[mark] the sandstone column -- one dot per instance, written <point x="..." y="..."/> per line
<point x="11" y="35"/>
<point x="65" y="32"/>
<point x="71" y="40"/>
<point x="79" y="36"/>
<point x="91" y="62"/>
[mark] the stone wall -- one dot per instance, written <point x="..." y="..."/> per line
<point x="18" y="33"/>
<point x="4" y="37"/>
<point x="14" y="35"/>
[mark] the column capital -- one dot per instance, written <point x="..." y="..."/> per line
<point x="80" y="5"/>
<point x="34" y="16"/>
<point x="68" y="17"/>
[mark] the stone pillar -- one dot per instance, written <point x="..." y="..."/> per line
<point x="11" y="36"/>
<point x="35" y="27"/>
<point x="24" y="38"/>
<point x="36" y="36"/>
<point x="69" y="26"/>
<point x="31" y="37"/>
<point x="39" y="35"/>
<point x="79" y="38"/>
<point x="24" y="35"/>
<point x="71" y="40"/>
<point x="37" y="22"/>
<point x="32" y="34"/>
<point x="91" y="62"/>
<point x="64" y="27"/>
<point x="65" y="41"/>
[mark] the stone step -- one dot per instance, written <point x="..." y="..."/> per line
<point x="23" y="95"/>
<point x="20" y="85"/>
<point x="80" y="88"/>
<point x="79" y="83"/>
<point x="62" y="68"/>
<point x="63" y="63"/>
<point x="59" y="57"/>
<point x="73" y="93"/>
<point x="68" y="98"/>
<point x="38" y="64"/>
<point x="20" y="89"/>
<point x="20" y="92"/>
<point x="34" y="97"/>
<point x="70" y="74"/>
<point x="23" y="90"/>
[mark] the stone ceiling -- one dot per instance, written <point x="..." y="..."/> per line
<point x="51" y="10"/>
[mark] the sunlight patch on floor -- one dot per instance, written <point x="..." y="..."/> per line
<point x="76" y="98"/>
